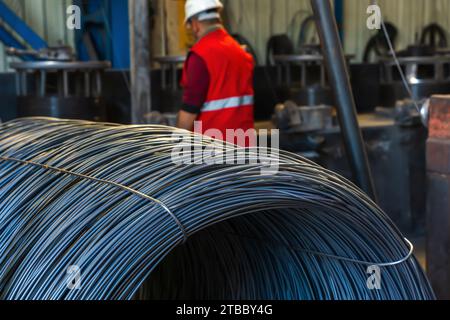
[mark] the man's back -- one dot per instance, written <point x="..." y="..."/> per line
<point x="229" y="101"/>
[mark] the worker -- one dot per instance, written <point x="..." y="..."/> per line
<point x="217" y="77"/>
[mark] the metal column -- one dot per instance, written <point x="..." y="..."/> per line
<point x="140" y="60"/>
<point x="340" y="83"/>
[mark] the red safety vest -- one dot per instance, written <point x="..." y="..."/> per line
<point x="229" y="102"/>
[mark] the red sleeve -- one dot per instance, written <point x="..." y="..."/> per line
<point x="197" y="84"/>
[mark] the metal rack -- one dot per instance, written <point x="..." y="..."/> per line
<point x="89" y="85"/>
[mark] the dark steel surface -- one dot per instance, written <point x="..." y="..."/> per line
<point x="8" y="100"/>
<point x="365" y="79"/>
<point x="340" y="82"/>
<point x="438" y="234"/>
<point x="438" y="194"/>
<point x="438" y="156"/>
<point x="77" y="108"/>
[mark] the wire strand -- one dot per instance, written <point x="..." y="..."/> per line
<point x="128" y="246"/>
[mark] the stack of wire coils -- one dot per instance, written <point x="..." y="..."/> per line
<point x="101" y="211"/>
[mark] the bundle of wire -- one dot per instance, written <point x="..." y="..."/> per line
<point x="110" y="200"/>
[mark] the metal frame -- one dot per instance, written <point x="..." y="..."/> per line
<point x="105" y="32"/>
<point x="19" y="27"/>
<point x="92" y="76"/>
<point x="411" y="66"/>
<point x="170" y="64"/>
<point x="340" y="82"/>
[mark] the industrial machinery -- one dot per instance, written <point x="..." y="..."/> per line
<point x="303" y="84"/>
<point x="425" y="65"/>
<point x="170" y="92"/>
<point x="49" y="80"/>
<point x="289" y="117"/>
<point x="63" y="89"/>
<point x="308" y="100"/>
<point x="394" y="136"/>
<point x="426" y="75"/>
<point x="303" y="78"/>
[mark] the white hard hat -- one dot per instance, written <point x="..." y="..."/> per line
<point x="194" y="7"/>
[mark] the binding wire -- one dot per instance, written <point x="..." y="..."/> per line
<point x="397" y="62"/>
<point x="110" y="200"/>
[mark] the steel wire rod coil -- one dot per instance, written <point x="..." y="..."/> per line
<point x="110" y="200"/>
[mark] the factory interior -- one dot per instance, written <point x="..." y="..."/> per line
<point x="344" y="185"/>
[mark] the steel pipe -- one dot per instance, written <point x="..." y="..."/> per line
<point x="345" y="103"/>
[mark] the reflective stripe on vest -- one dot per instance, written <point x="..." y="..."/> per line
<point x="229" y="103"/>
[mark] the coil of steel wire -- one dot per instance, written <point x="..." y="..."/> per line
<point x="109" y="200"/>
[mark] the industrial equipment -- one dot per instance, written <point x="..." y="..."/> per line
<point x="171" y="91"/>
<point x="394" y="136"/>
<point x="426" y="75"/>
<point x="291" y="118"/>
<point x="308" y="106"/>
<point x="312" y="89"/>
<point x="301" y="77"/>
<point x="71" y="89"/>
